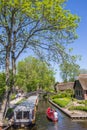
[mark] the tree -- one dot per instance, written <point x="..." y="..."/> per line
<point x="69" y="71"/>
<point x="34" y="74"/>
<point x="34" y="25"/>
<point x="23" y="22"/>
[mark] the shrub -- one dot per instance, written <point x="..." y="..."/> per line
<point x="9" y="112"/>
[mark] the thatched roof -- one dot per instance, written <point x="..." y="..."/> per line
<point x="64" y="86"/>
<point x="83" y="81"/>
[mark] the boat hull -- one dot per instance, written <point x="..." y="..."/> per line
<point x="50" y="115"/>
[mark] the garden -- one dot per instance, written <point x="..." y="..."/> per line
<point x="66" y="100"/>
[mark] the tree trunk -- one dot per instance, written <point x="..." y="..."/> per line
<point x="13" y="70"/>
<point x="7" y="81"/>
<point x="5" y="102"/>
<point x="13" y="62"/>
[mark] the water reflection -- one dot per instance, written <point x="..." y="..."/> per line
<point x="64" y="123"/>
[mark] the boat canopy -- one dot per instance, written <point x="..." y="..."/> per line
<point x="27" y="105"/>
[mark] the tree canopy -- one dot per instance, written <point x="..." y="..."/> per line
<point x="69" y="71"/>
<point x="43" y="26"/>
<point x="35" y="24"/>
<point x="34" y="74"/>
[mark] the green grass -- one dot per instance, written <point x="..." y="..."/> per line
<point x="62" y="102"/>
<point x="81" y="108"/>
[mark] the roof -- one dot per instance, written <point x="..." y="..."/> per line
<point x="64" y="86"/>
<point x="83" y="80"/>
<point x="27" y="105"/>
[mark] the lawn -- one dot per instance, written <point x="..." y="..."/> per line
<point x="62" y="102"/>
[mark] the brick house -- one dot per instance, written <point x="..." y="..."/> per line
<point x="80" y="87"/>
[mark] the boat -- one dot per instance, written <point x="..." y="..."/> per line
<point x="50" y="113"/>
<point x="24" y="113"/>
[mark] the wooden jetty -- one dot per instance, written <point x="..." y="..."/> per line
<point x="24" y="114"/>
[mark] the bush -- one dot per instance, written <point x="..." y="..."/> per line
<point x="9" y="112"/>
<point x="61" y="95"/>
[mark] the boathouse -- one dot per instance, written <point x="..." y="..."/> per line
<point x="80" y="87"/>
<point x="24" y="114"/>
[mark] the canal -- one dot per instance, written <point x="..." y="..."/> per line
<point x="64" y="122"/>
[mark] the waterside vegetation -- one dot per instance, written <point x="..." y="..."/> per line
<point x="66" y="100"/>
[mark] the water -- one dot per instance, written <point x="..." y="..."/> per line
<point x="64" y="122"/>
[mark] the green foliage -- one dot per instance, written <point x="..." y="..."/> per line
<point x="69" y="71"/>
<point x="33" y="74"/>
<point x="41" y="26"/>
<point x="62" y="102"/>
<point x="82" y="108"/>
<point x="9" y="112"/>
<point x="62" y="98"/>
<point x="2" y="85"/>
<point x="36" y="25"/>
<point x="67" y="93"/>
<point x="49" y="89"/>
<point x="12" y="97"/>
<point x="82" y="102"/>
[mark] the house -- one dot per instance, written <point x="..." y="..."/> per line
<point x="80" y="87"/>
<point x="64" y="86"/>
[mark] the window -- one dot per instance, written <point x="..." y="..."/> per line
<point x="19" y="115"/>
<point x="26" y="114"/>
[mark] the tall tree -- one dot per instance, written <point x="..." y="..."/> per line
<point x="34" y="25"/>
<point x="69" y="71"/>
<point x="33" y="74"/>
<point x="23" y="22"/>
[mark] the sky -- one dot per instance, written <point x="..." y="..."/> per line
<point x="78" y="7"/>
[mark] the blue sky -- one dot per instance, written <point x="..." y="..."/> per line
<point x="79" y="7"/>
